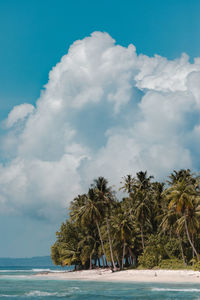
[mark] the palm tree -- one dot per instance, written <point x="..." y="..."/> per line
<point x="88" y="210"/>
<point x="182" y="196"/>
<point x="105" y="196"/>
<point x="142" y="194"/>
<point x="120" y="232"/>
<point x="156" y="205"/>
<point x="170" y="224"/>
<point x="193" y="220"/>
<point x="66" y="246"/>
<point x="122" y="226"/>
<point x="88" y="247"/>
<point x="142" y="213"/>
<point x="75" y="206"/>
<point x="128" y="182"/>
<point x="180" y="175"/>
<point x="138" y="204"/>
<point x="142" y="181"/>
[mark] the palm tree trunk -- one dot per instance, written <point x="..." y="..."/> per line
<point x="118" y="261"/>
<point x="110" y="244"/>
<point x="123" y="255"/>
<point x="102" y="261"/>
<point x="102" y="245"/>
<point x="181" y="247"/>
<point x="91" y="261"/>
<point x="106" y="262"/>
<point x="189" y="239"/>
<point x="142" y="237"/>
<point x="192" y="249"/>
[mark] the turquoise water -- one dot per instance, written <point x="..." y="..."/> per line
<point x="21" y="284"/>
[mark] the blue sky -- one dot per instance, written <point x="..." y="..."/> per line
<point x="35" y="35"/>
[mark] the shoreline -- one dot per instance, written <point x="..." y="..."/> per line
<point x="151" y="276"/>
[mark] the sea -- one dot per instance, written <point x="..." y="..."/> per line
<point x="20" y="283"/>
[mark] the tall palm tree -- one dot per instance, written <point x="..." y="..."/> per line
<point x="142" y="181"/>
<point x="156" y="205"/>
<point x="88" y="247"/>
<point x="180" y="175"/>
<point x="170" y="224"/>
<point x="122" y="226"/>
<point x="182" y="196"/>
<point x="193" y="219"/>
<point x="88" y="210"/>
<point x="142" y="195"/>
<point x="105" y="196"/>
<point x="128" y="183"/>
<point x="139" y="203"/>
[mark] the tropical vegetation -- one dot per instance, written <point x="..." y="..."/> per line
<point x="155" y="224"/>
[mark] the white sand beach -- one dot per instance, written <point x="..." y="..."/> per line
<point x="173" y="276"/>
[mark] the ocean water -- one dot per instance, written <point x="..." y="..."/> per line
<point x="20" y="283"/>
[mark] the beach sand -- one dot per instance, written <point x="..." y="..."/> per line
<point x="171" y="276"/>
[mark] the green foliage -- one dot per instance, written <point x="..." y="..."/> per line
<point x="153" y="253"/>
<point x="171" y="264"/>
<point x="149" y="258"/>
<point x="55" y="255"/>
<point x="154" y="225"/>
<point x="172" y="248"/>
<point x="196" y="266"/>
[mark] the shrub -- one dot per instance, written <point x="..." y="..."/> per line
<point x="171" y="264"/>
<point x="196" y="266"/>
<point x="172" y="248"/>
<point x="148" y="259"/>
<point x="153" y="253"/>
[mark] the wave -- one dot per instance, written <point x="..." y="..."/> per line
<point x="49" y="270"/>
<point x="37" y="293"/>
<point x="175" y="290"/>
<point x="33" y="270"/>
<point x="57" y="294"/>
<point x="16" y="277"/>
<point x="14" y="271"/>
<point x="8" y="296"/>
<point x="44" y="294"/>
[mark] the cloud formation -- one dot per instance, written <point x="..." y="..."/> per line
<point x="19" y="113"/>
<point x="104" y="111"/>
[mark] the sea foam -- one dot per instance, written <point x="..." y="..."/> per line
<point x="175" y="290"/>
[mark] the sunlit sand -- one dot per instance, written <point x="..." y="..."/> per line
<point x="176" y="276"/>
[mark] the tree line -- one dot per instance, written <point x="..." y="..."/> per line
<point x="155" y="224"/>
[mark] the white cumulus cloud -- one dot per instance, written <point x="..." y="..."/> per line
<point x="105" y="111"/>
<point x="19" y="112"/>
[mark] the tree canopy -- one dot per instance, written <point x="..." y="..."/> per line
<point x="154" y="223"/>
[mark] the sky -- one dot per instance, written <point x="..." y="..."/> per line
<point x="88" y="89"/>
